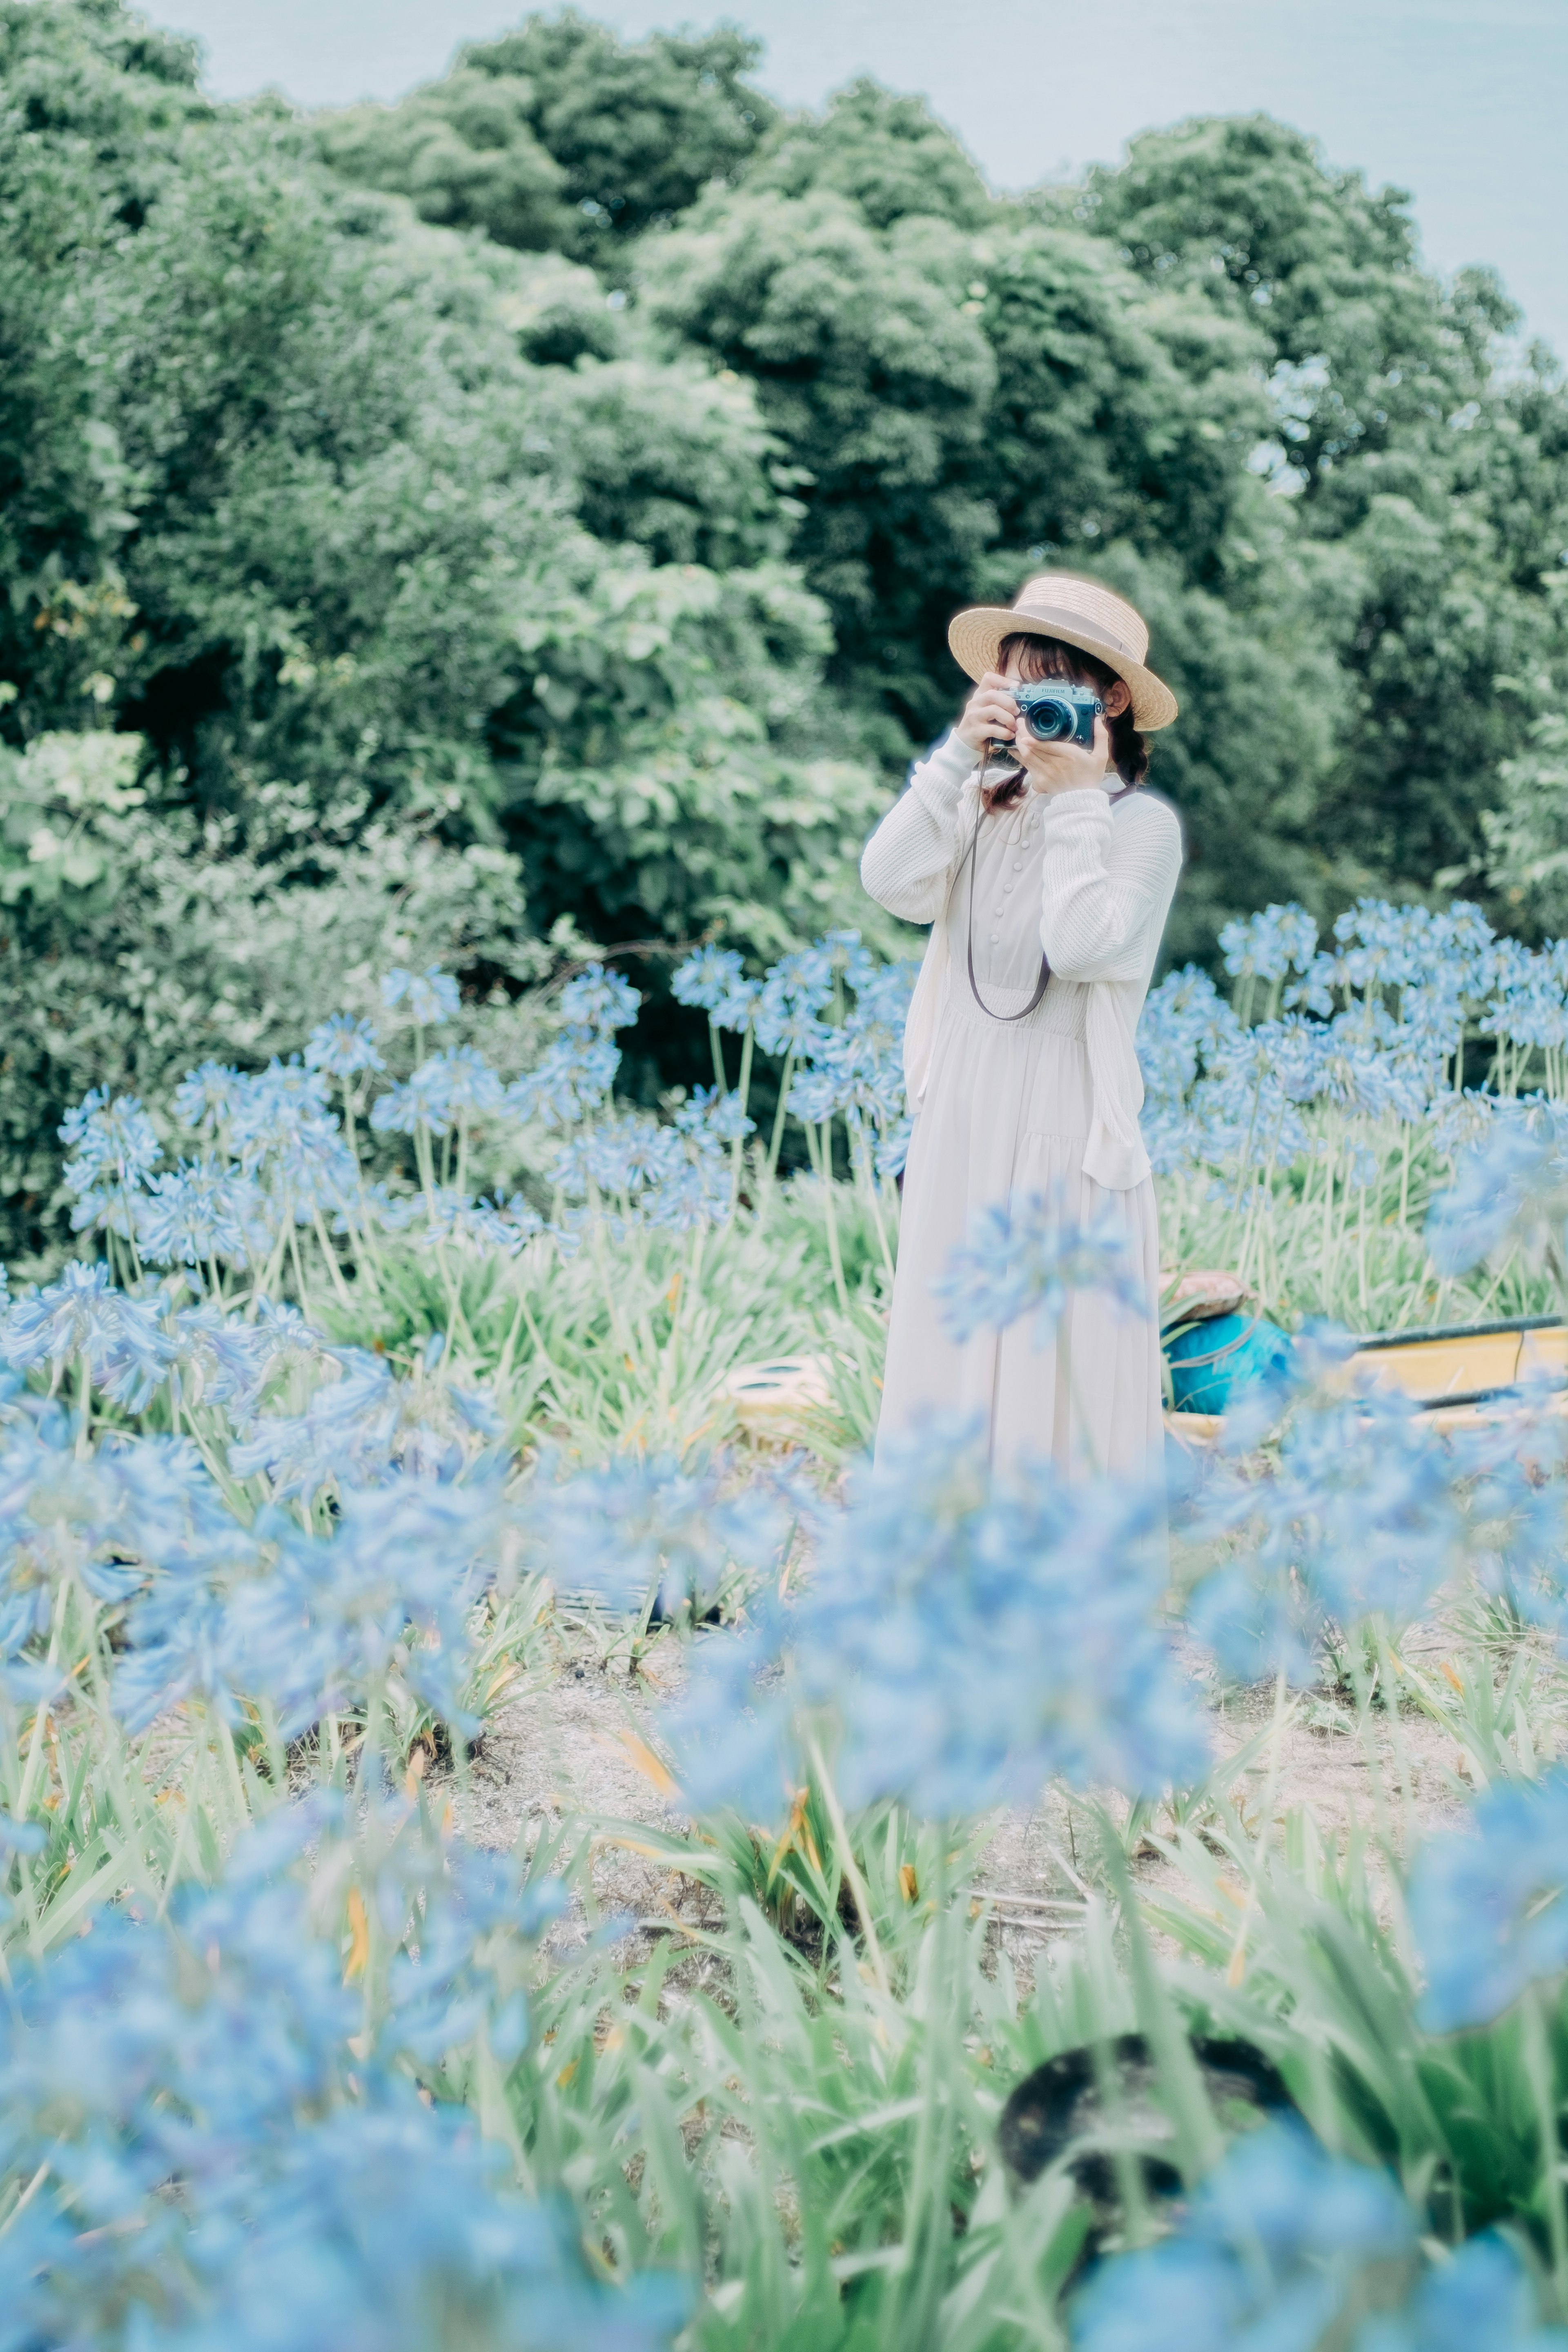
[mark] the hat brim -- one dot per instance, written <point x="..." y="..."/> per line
<point x="976" y="636"/>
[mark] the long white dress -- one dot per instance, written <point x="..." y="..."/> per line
<point x="1010" y="1109"/>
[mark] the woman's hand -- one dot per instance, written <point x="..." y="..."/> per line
<point x="1065" y="767"/>
<point x="990" y="715"/>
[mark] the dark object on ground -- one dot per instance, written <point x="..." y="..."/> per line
<point x="1060" y="2110"/>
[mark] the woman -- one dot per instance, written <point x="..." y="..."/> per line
<point x="1020" y="1065"/>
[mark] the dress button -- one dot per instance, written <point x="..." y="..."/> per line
<point x="1006" y="885"/>
<point x="1017" y="866"/>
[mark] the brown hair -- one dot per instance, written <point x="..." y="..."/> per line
<point x="1049" y="658"/>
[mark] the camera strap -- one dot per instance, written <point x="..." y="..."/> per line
<point x="1040" y="985"/>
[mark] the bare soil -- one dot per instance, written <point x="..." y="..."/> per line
<point x="583" y="1744"/>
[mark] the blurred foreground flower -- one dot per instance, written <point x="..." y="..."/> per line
<point x="1286" y="2249"/>
<point x="319" y="2199"/>
<point x="1488" y="1904"/>
<point x="1360" y="1516"/>
<point x="1511" y="1187"/>
<point x="964" y="1645"/>
<point x="1033" y="1256"/>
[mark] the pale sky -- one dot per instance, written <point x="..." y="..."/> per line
<point x="1463" y="102"/>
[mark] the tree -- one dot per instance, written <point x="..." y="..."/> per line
<point x="885" y="153"/>
<point x="559" y="135"/>
<point x="1406" y="455"/>
<point x="93" y="107"/>
<point x="876" y="384"/>
<point x="464" y="152"/>
<point x="582" y="461"/>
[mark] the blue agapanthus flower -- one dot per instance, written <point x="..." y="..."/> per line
<point x="1488" y="1904"/>
<point x="714" y="1117"/>
<point x="599" y="1001"/>
<point x="1511" y="1186"/>
<point x="341" y="1045"/>
<point x="966" y="1641"/>
<point x="1266" y="947"/>
<point x="1479" y="2297"/>
<point x="419" y="1103"/>
<point x="426" y="998"/>
<point x="1031" y="1257"/>
<point x="706" y="978"/>
<point x="320" y="2199"/>
<point x="206" y="1095"/>
<point x="1272" y="2254"/>
<point x="114" y="1139"/>
<point x="642" y="1525"/>
<point x="82" y="1318"/>
<point x="193" y="1213"/>
<point x="1362" y="1517"/>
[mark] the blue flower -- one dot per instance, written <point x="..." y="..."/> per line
<point x="693" y="1193"/>
<point x="1480" y="2297"/>
<point x="1266" y="947"/>
<point x="574" y="1078"/>
<point x="1514" y="1186"/>
<point x="968" y="1641"/>
<point x="599" y="1001"/>
<point x="642" y="1525"/>
<point x="116" y="1145"/>
<point x="341" y="1045"/>
<point x="1270" y="2256"/>
<point x="1030" y="1255"/>
<point x="428" y="998"/>
<point x="718" y="1117"/>
<point x="473" y="1089"/>
<point x="83" y="1316"/>
<point x="193" y="1213"/>
<point x="320" y="2201"/>
<point x="1489" y="1904"/>
<point x="420" y="1101"/>
<point x="205" y="1095"/>
<point x="276" y="1108"/>
<point x="706" y="978"/>
<point x="1360" y="1517"/>
<point x="476" y="1226"/>
<point x="115" y="1139"/>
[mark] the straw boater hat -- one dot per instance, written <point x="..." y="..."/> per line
<point x="1080" y="613"/>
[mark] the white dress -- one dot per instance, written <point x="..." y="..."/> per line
<point x="1047" y="1104"/>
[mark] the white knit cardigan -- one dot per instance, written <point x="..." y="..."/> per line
<point x="1109" y="875"/>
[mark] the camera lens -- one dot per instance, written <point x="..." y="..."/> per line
<point x="1048" y="720"/>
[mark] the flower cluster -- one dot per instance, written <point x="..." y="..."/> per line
<point x="1032" y="1256"/>
<point x="1371" y="1027"/>
<point x="835" y="1016"/>
<point x="1284" y="2244"/>
<point x="962" y="1642"/>
<point x="320" y="2197"/>
<point x="1488" y="1904"/>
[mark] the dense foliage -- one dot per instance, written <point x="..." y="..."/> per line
<point x="1218" y="373"/>
<point x="576" y="466"/>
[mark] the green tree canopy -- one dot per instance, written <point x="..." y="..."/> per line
<point x="580" y="461"/>
<point x="560" y="135"/>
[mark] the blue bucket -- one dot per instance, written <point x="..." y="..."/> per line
<point x="1210" y="1362"/>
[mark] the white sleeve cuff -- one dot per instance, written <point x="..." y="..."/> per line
<point x="941" y="777"/>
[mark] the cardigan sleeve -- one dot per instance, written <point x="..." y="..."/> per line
<point x="1108" y="877"/>
<point x="907" y="864"/>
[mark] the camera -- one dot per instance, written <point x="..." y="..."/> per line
<point x="1055" y="712"/>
